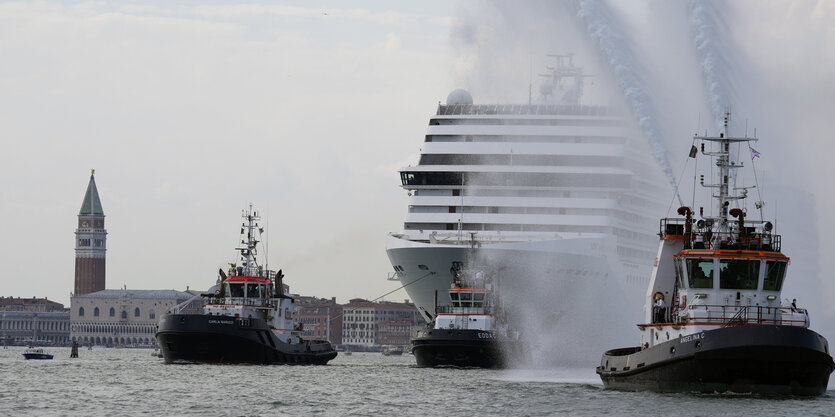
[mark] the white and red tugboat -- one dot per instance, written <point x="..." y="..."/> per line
<point x="466" y="333"/>
<point x="714" y="319"/>
<point x="249" y="319"/>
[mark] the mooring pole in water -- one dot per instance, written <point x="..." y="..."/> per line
<point x="74" y="351"/>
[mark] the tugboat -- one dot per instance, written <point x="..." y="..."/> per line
<point x="726" y="328"/>
<point x="466" y="334"/>
<point x="248" y="319"/>
<point x="36" y="353"/>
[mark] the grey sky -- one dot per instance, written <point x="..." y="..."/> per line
<point x="190" y="110"/>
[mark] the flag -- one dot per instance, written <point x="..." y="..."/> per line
<point x="754" y="153"/>
<point x="693" y="151"/>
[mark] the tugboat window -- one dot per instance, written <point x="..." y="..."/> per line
<point x="252" y="290"/>
<point x="700" y="272"/>
<point x="478" y="297"/>
<point x="453" y="296"/>
<point x="738" y="274"/>
<point x="235" y="290"/>
<point x="774" y="272"/>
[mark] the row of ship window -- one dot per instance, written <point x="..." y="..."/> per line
<point x="500" y="227"/>
<point x="525" y="160"/>
<point x="124" y="314"/>
<point x="527" y="179"/>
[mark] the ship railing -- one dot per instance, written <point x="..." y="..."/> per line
<point x="527" y="109"/>
<point x="704" y="238"/>
<point x="461" y="310"/>
<point x="725" y="315"/>
<point x="248" y="301"/>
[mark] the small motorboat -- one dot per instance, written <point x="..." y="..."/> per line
<point x="36" y="353"/>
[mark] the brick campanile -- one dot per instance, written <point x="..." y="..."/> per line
<point x="90" y="243"/>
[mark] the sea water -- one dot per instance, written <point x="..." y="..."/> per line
<point x="116" y="382"/>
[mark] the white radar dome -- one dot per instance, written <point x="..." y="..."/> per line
<point x="459" y="96"/>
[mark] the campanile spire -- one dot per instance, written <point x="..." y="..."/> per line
<point x="90" y="242"/>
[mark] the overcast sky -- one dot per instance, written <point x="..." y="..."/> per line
<point x="189" y="111"/>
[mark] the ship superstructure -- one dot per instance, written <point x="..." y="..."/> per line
<point x="714" y="318"/>
<point x="552" y="188"/>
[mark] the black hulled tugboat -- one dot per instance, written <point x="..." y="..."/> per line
<point x="714" y="317"/>
<point x="467" y="333"/>
<point x="248" y="319"/>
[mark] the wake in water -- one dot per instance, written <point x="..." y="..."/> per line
<point x="585" y="375"/>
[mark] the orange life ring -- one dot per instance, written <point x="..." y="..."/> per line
<point x="658" y="295"/>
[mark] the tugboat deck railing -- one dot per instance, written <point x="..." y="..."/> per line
<point x="749" y="239"/>
<point x="462" y="310"/>
<point x="242" y="301"/>
<point x="726" y="316"/>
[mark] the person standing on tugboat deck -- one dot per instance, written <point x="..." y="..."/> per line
<point x="660" y="310"/>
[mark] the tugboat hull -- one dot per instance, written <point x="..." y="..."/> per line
<point x="221" y="339"/>
<point x="757" y="359"/>
<point x="461" y="348"/>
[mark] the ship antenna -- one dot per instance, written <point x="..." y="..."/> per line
<point x="759" y="204"/>
<point x="530" y="78"/>
<point x="267" y="245"/>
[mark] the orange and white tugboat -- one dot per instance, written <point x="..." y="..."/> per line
<point x="466" y="333"/>
<point x="714" y="319"/>
<point x="248" y="319"/>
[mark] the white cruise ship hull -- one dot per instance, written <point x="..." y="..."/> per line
<point x="556" y="292"/>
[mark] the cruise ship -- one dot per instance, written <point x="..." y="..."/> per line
<point x="561" y="197"/>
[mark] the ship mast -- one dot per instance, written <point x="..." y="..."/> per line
<point x="250" y="265"/>
<point x="723" y="161"/>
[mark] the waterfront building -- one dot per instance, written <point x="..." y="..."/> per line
<point x="321" y="318"/>
<point x="99" y="316"/>
<point x="362" y="321"/>
<point x="33" y="321"/>
<point x="90" y="243"/>
<point x="29" y="304"/>
<point x="397" y="332"/>
<point x="121" y="317"/>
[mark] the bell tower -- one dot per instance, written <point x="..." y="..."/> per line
<point x="90" y="242"/>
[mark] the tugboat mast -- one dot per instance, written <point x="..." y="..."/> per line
<point x="250" y="264"/>
<point x="724" y="198"/>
